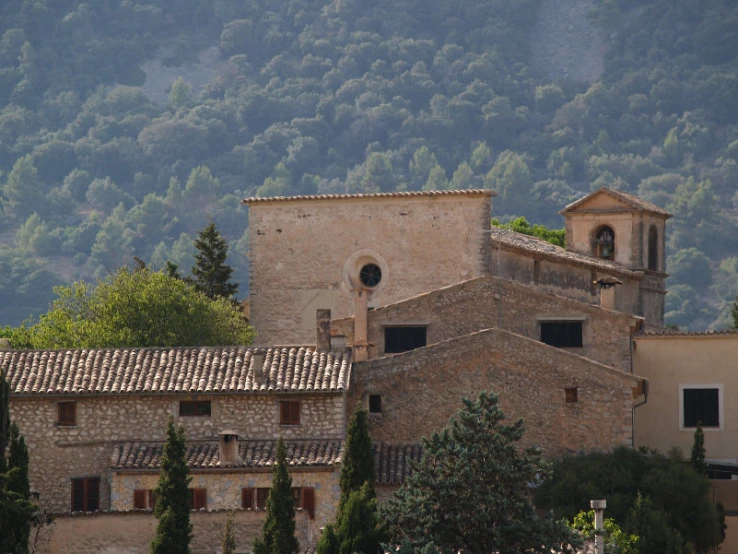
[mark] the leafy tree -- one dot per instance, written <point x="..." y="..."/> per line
<point x="212" y="274"/>
<point x="278" y="534"/>
<point x="475" y="462"/>
<point x="511" y="178"/>
<point x="172" y="507"/>
<point x="23" y="190"/>
<point x="138" y="308"/>
<point x="228" y="545"/>
<point x="652" y="528"/>
<point x="521" y="225"/>
<point x="436" y="179"/>
<point x="180" y="95"/>
<point x="421" y="165"/>
<point x="616" y="541"/>
<point x="697" y="459"/>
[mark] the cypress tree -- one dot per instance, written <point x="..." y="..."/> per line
<point x="172" y="508"/>
<point x="358" y="461"/>
<point x="4" y="419"/>
<point x="212" y="274"/>
<point x="278" y="536"/>
<point x="697" y="458"/>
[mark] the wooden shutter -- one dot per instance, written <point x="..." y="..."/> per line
<point x="152" y="498"/>
<point x="199" y="498"/>
<point x="247" y="498"/>
<point x="308" y="501"/>
<point x="78" y="495"/>
<point x="139" y="499"/>
<point x="261" y="497"/>
<point x="93" y="494"/>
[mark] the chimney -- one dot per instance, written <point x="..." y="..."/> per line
<point x="607" y="292"/>
<point x="361" y="307"/>
<point x="228" y="452"/>
<point x="323" y="328"/>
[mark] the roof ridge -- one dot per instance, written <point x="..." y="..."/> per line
<point x="400" y="194"/>
<point x="635" y="201"/>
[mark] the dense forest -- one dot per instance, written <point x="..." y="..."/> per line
<point x="281" y="97"/>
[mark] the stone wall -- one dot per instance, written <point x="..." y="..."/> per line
<point x="491" y="302"/>
<point x="132" y="533"/>
<point x="421" y="389"/>
<point x="306" y="254"/>
<point x="224" y="488"/>
<point x="58" y="453"/>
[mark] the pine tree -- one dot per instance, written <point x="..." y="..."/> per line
<point x="173" y="533"/>
<point x="698" y="450"/>
<point x="278" y="536"/>
<point x="228" y="545"/>
<point x="471" y="490"/>
<point x="212" y="274"/>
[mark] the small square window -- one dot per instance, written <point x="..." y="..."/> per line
<point x="375" y="404"/>
<point x="67" y="413"/>
<point x="86" y="494"/>
<point x="572" y="395"/>
<point x="562" y="334"/>
<point x="701" y="406"/>
<point x="195" y="408"/>
<point x="289" y="412"/>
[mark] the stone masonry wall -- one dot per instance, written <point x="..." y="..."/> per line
<point x="420" y="390"/>
<point x="132" y="533"/>
<point x="224" y="488"/>
<point x="306" y="255"/>
<point x="491" y="302"/>
<point x="58" y="453"/>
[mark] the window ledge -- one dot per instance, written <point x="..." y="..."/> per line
<point x="67" y="425"/>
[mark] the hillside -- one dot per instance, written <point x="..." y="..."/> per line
<point x="104" y="155"/>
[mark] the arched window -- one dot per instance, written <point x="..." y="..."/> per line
<point x="653" y="249"/>
<point x="605" y="243"/>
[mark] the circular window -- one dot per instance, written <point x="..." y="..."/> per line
<point x="370" y="275"/>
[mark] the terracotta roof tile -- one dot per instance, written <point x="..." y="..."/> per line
<point x="544" y="249"/>
<point x="409" y="194"/>
<point x="392" y="462"/>
<point x="175" y="370"/>
<point x="666" y="332"/>
<point x="630" y="199"/>
<point x="254" y="454"/>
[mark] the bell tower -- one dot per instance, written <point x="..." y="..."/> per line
<point x="615" y="226"/>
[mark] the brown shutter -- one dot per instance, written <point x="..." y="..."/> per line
<point x="78" y="495"/>
<point x="261" y="497"/>
<point x="199" y="499"/>
<point x="139" y="499"/>
<point x="93" y="494"/>
<point x="247" y="498"/>
<point x="308" y="500"/>
<point x="152" y="498"/>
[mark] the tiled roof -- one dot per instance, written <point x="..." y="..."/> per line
<point x="410" y="194"/>
<point x="391" y="462"/>
<point x="254" y="454"/>
<point x="666" y="332"/>
<point x="175" y="370"/>
<point x="543" y="249"/>
<point x="630" y="199"/>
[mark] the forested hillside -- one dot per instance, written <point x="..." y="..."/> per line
<point x="303" y="96"/>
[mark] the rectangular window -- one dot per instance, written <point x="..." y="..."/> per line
<point x="143" y="499"/>
<point x="572" y="395"/>
<point x="194" y="408"/>
<point x="562" y="334"/>
<point x="86" y="494"/>
<point x="404" y="339"/>
<point x="289" y="412"/>
<point x="198" y="499"/>
<point x="375" y="404"/>
<point x="701" y="405"/>
<point x="67" y="413"/>
<point x="247" y="498"/>
<point x="261" y="498"/>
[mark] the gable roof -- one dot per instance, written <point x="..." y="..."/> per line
<point x="254" y="454"/>
<point x="539" y="248"/>
<point x="144" y="371"/>
<point x="636" y="203"/>
<point x="379" y="195"/>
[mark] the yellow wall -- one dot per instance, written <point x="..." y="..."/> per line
<point x="670" y="361"/>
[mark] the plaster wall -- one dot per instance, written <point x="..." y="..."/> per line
<point x="305" y="255"/>
<point x="670" y="361"/>
<point x="60" y="453"/>
<point x="584" y="227"/>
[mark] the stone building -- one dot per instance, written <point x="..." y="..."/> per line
<point x="407" y="302"/>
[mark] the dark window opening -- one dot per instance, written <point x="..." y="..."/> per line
<point x="562" y="334"/>
<point x="194" y="408"/>
<point x="605" y="243"/>
<point x="701" y="406"/>
<point x="261" y="498"/>
<point x="198" y="499"/>
<point x="86" y="494"/>
<point x="370" y="275"/>
<point x="289" y="412"/>
<point x="375" y="404"/>
<point x="247" y="498"/>
<point x="143" y="499"/>
<point x="404" y="339"/>
<point x="653" y="249"/>
<point x="67" y="413"/>
<point x="572" y="395"/>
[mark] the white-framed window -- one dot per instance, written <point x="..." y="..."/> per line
<point x="701" y="403"/>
